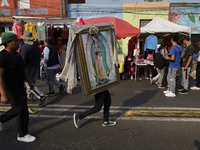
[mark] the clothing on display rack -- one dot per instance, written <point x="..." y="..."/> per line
<point x="41" y="29"/>
<point x="151" y="43"/>
<point x="30" y="27"/>
<point x="65" y="33"/>
<point x="51" y="31"/>
<point x="57" y="33"/>
<point x="18" y="30"/>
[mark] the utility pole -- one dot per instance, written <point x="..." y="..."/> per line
<point x="61" y="8"/>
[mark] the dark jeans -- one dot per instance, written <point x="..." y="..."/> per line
<point x="100" y="99"/>
<point x="20" y="111"/>
<point x="198" y="75"/>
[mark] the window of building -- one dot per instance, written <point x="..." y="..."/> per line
<point x="144" y="22"/>
<point x="24" y="4"/>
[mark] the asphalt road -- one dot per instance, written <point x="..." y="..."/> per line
<point x="54" y="129"/>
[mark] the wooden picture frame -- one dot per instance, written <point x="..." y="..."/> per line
<point x="95" y="58"/>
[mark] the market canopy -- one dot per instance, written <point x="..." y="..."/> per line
<point x="159" y="25"/>
<point x="123" y="29"/>
<point x="35" y="20"/>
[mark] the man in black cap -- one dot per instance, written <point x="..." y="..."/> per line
<point x="12" y="77"/>
<point x="30" y="52"/>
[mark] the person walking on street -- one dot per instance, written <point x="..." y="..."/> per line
<point x="161" y="71"/>
<point x="197" y="84"/>
<point x="102" y="98"/>
<point x="52" y="59"/>
<point x="174" y="64"/>
<point x="30" y="52"/>
<point x="12" y="76"/>
<point x="186" y="65"/>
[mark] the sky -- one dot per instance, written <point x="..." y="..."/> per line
<point x="133" y="1"/>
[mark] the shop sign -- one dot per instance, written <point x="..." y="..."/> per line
<point x="4" y="3"/>
<point x="6" y="19"/>
<point x="33" y="11"/>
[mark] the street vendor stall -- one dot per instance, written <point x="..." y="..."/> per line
<point x="160" y="28"/>
<point x="42" y="28"/>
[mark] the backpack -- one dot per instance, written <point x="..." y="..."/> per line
<point x="159" y="61"/>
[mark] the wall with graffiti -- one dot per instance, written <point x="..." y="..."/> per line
<point x="187" y="15"/>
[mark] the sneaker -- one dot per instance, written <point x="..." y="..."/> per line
<point x="131" y="77"/>
<point x="109" y="123"/>
<point x="170" y="94"/>
<point x="180" y="88"/>
<point x="1" y="126"/>
<point x="160" y="87"/>
<point x="62" y="87"/>
<point x="50" y="94"/>
<point x="42" y="101"/>
<point x="166" y="91"/>
<point x="26" y="138"/>
<point x="183" y="91"/>
<point x="195" y="88"/>
<point x="76" y="120"/>
<point x="147" y="78"/>
<point x="157" y="83"/>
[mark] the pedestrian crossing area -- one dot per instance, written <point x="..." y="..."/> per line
<point x="116" y="112"/>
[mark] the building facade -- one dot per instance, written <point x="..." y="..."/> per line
<point x="28" y="8"/>
<point x="187" y="14"/>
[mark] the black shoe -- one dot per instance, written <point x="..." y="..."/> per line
<point x="109" y="123"/>
<point x="76" y="120"/>
<point x="180" y="88"/>
<point x="50" y="94"/>
<point x="62" y="87"/>
<point x="42" y="101"/>
<point x="183" y="91"/>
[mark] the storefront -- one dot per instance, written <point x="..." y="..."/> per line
<point x="28" y="8"/>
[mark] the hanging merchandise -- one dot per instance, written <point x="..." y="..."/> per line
<point x="41" y="29"/>
<point x="65" y="33"/>
<point x="57" y="33"/>
<point x="151" y="43"/>
<point x="79" y="21"/>
<point x="59" y="43"/>
<point x="30" y="27"/>
<point x="131" y="43"/>
<point x="18" y="30"/>
<point x="51" y="31"/>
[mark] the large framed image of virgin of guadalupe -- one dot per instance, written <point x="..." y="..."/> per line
<point x="95" y="56"/>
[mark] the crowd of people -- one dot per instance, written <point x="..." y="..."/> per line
<point x="19" y="72"/>
<point x="180" y="59"/>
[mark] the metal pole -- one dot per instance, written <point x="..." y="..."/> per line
<point x="61" y="8"/>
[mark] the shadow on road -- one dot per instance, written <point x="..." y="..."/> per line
<point x="197" y="144"/>
<point x="137" y="100"/>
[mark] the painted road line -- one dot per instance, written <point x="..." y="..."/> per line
<point x="159" y="119"/>
<point x="116" y="107"/>
<point x="155" y="113"/>
<point x="6" y="108"/>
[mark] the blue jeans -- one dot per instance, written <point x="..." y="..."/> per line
<point x="51" y="75"/>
